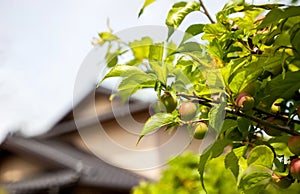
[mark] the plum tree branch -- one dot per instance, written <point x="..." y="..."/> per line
<point x="262" y="122"/>
<point x="205" y="12"/>
<point x="210" y="103"/>
<point x="276" y="116"/>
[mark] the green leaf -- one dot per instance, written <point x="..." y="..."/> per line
<point x="134" y="79"/>
<point x="122" y="71"/>
<point x="295" y="37"/>
<point x="213" y="151"/>
<point x="245" y="75"/>
<point x="124" y="94"/>
<point x="192" y="31"/>
<point x="140" y="48"/>
<point x="156" y="52"/>
<point x="275" y="15"/>
<point x="215" y="80"/>
<point x="228" y="125"/>
<point x="282" y="88"/>
<point x="228" y="71"/>
<point x="156" y="121"/>
<point x="212" y="31"/>
<point x="255" y="178"/>
<point x="112" y="58"/>
<point x="232" y="162"/>
<point x="215" y="49"/>
<point x="189" y="47"/>
<point x="261" y="155"/>
<point x="146" y="3"/>
<point x="216" y="116"/>
<point x="137" y="81"/>
<point x="156" y="63"/>
<point x="279" y="145"/>
<point x="203" y="160"/>
<point x="112" y="61"/>
<point x="243" y="125"/>
<point x="178" y="12"/>
<point x="159" y="70"/>
<point x="107" y="36"/>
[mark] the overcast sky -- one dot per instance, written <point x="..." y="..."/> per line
<point x="43" y="43"/>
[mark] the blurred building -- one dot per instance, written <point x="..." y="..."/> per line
<point x="60" y="162"/>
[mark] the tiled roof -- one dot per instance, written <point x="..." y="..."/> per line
<point x="78" y="167"/>
<point x="74" y="167"/>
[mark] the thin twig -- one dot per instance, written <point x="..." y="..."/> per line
<point x="277" y="116"/>
<point x="206" y="12"/>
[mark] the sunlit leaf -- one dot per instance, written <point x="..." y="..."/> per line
<point x="231" y="162"/>
<point x="140" y="48"/>
<point x="255" y="178"/>
<point x="156" y="52"/>
<point x="123" y="71"/>
<point x="156" y="121"/>
<point x="137" y="81"/>
<point x="146" y="3"/>
<point x="244" y="76"/>
<point x="261" y="155"/>
<point x="107" y="36"/>
<point x="216" y="116"/>
<point x="192" y="31"/>
<point x="178" y="12"/>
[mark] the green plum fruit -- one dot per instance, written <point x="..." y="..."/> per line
<point x="200" y="130"/>
<point x="188" y="110"/>
<point x="294" y="144"/>
<point x="245" y="101"/>
<point x="169" y="102"/>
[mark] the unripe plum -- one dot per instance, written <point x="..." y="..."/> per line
<point x="245" y="101"/>
<point x="276" y="105"/>
<point x="200" y="130"/>
<point x="169" y="101"/>
<point x="295" y="168"/>
<point x="187" y="110"/>
<point x="294" y="145"/>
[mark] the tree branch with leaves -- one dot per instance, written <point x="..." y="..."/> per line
<point x="243" y="83"/>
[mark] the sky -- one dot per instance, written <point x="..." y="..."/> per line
<point x="43" y="44"/>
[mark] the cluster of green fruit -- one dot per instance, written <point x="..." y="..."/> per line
<point x="283" y="180"/>
<point x="245" y="102"/>
<point x="187" y="111"/>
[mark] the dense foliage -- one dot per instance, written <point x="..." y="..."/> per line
<point x="181" y="177"/>
<point x="244" y="82"/>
